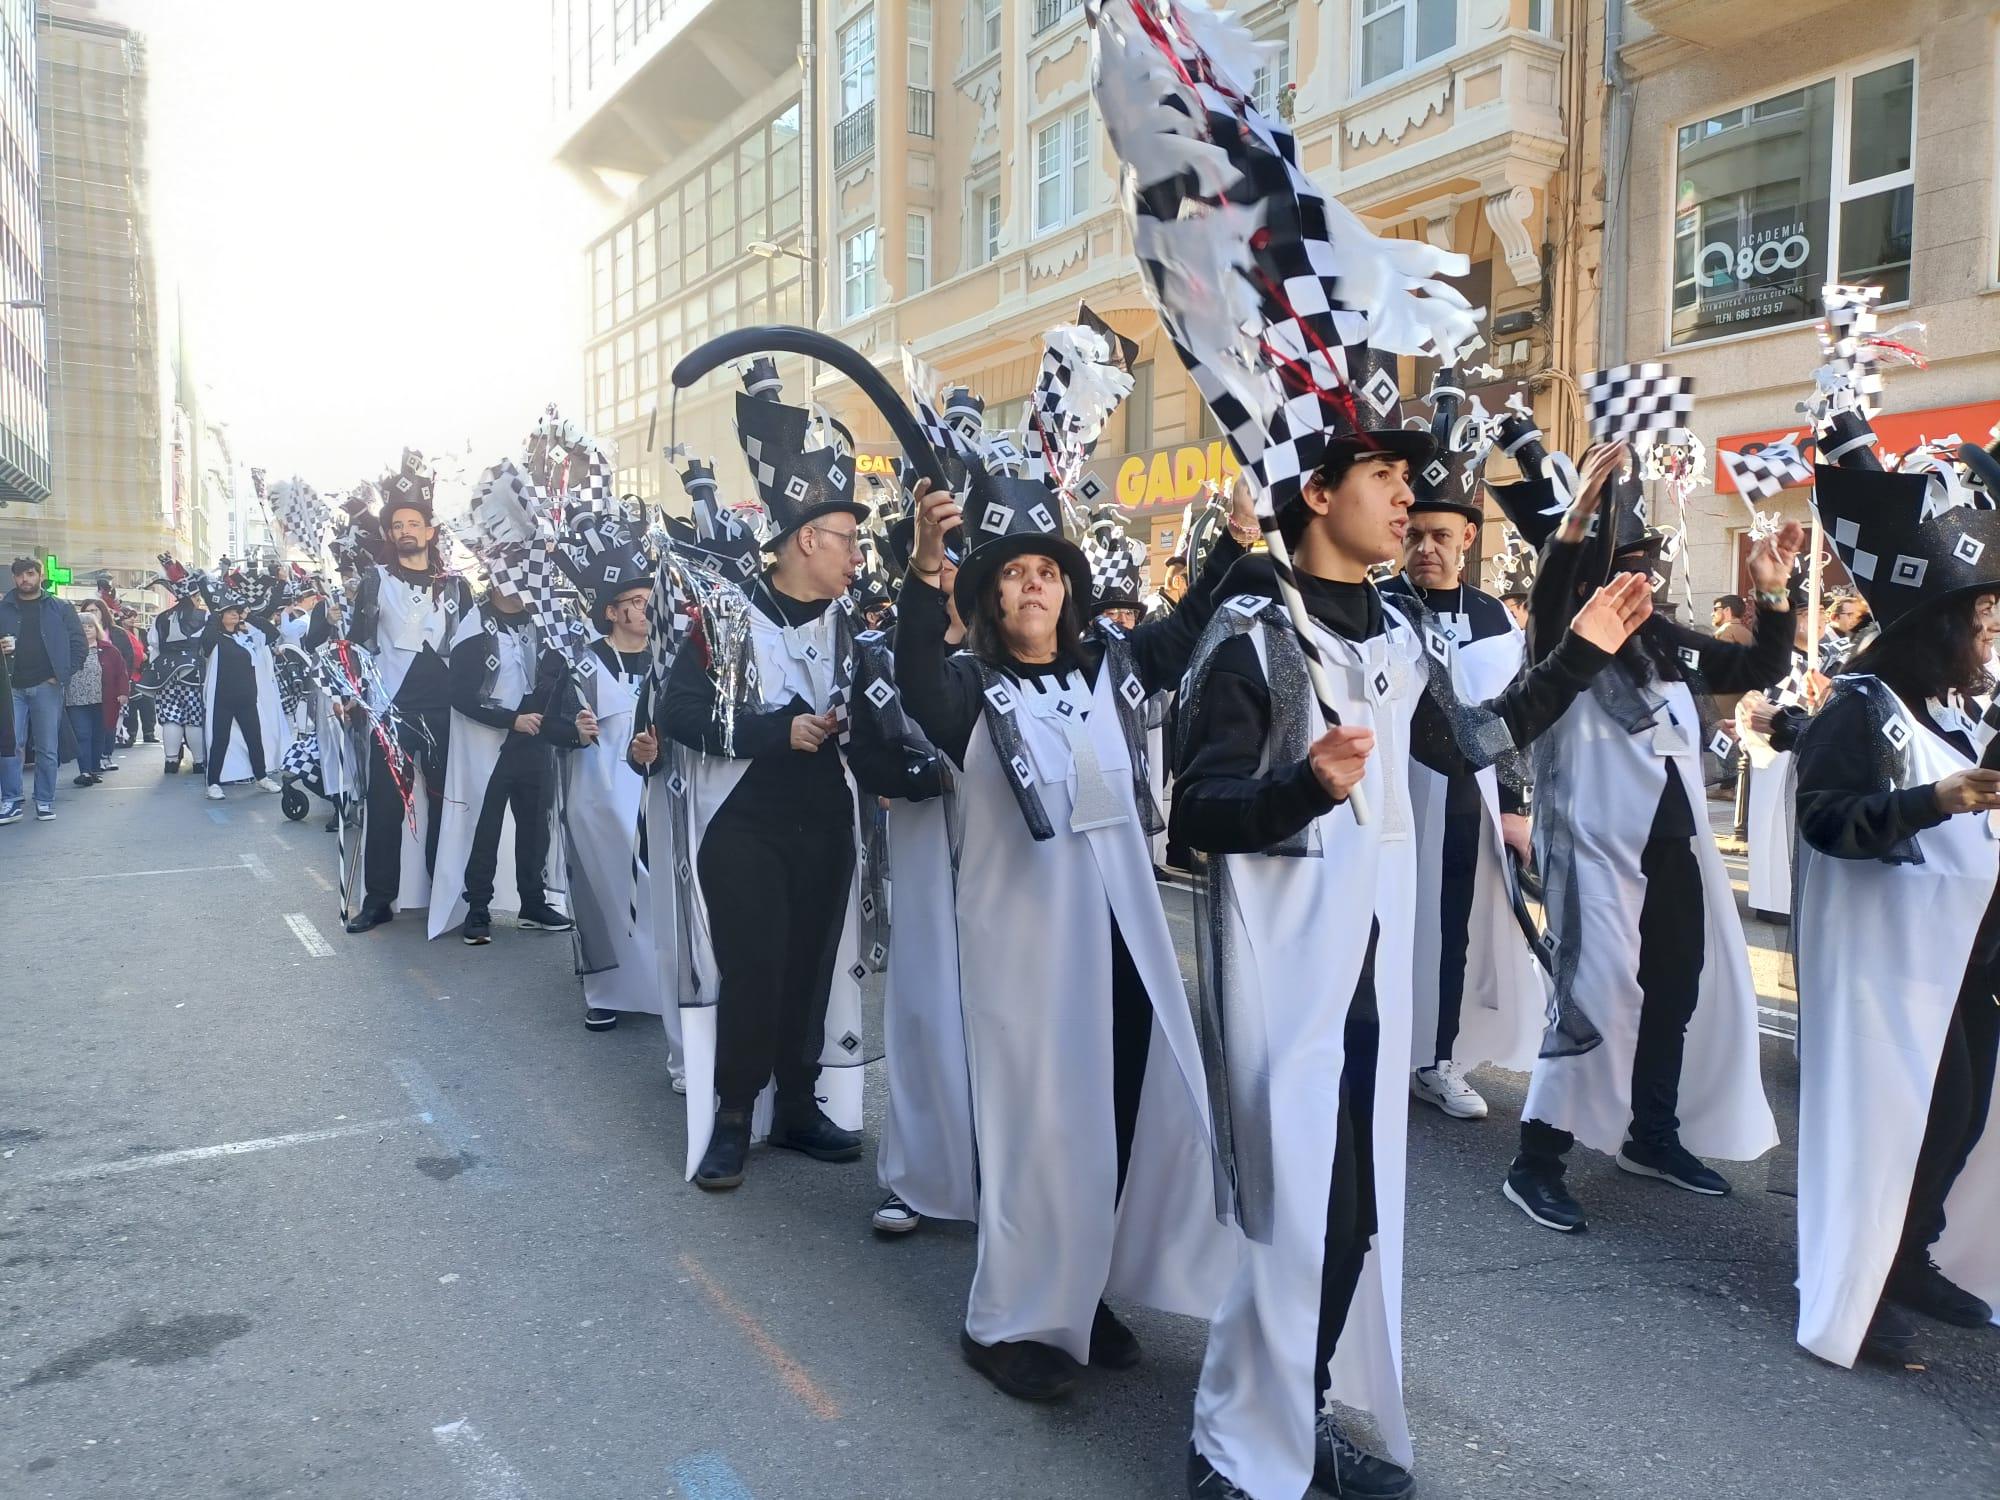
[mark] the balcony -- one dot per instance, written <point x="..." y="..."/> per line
<point x="1725" y="23"/>
<point x="1051" y="13"/>
<point x="923" y="112"/>
<point x="854" y="137"/>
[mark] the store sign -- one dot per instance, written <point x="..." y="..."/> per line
<point x="1167" y="476"/>
<point x="1899" y="431"/>
<point x="881" y="464"/>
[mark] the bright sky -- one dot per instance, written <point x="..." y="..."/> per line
<point x="371" y="245"/>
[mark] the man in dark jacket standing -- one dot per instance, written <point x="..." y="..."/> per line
<point x="44" y="642"/>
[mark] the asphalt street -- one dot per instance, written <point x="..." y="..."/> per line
<point x="288" y="1213"/>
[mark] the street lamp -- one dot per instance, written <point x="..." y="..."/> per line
<point x="34" y="302"/>
<point x="766" y="250"/>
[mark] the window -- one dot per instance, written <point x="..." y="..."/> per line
<point x="857" y="274"/>
<point x="857" y="63"/>
<point x="916" y="254"/>
<point x="1399" y="34"/>
<point x="1542" y="16"/>
<point x="986" y="21"/>
<point x="1274" y="74"/>
<point x="920" y="44"/>
<point x="1139" y="410"/>
<point x="1780" y="197"/>
<point x="985" y="225"/>
<point x="1062" y="170"/>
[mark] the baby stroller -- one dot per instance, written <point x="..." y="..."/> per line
<point x="303" y="773"/>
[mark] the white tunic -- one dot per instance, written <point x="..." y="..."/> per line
<point x="271" y="724"/>
<point x="1302" y="925"/>
<point x="1874" y="1007"/>
<point x="791" y="661"/>
<point x="1503" y="1007"/>
<point x="926" y="1154"/>
<point x="1611" y="783"/>
<point x="1035" y="977"/>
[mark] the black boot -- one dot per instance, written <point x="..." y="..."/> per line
<point x="1916" y="1282"/>
<point x="810" y="1131"/>
<point x="372" y="914"/>
<point x="1113" y="1346"/>
<point x="1891" y="1338"/>
<point x="728" y="1148"/>
<point x="1022" y="1368"/>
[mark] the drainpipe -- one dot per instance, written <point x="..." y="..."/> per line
<point x="1612" y="286"/>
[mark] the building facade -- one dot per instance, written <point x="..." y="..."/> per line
<point x="1775" y="148"/>
<point x="24" y="394"/>
<point x="108" y="508"/>
<point x="689" y="123"/>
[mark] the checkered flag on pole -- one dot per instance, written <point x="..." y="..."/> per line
<point x="1629" y="401"/>
<point x="1760" y="475"/>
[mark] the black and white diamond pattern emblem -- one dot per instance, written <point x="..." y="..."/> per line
<point x="1066" y="708"/>
<point x="492" y="663"/>
<point x="837" y="477"/>
<point x="1967" y="548"/>
<point x="683" y="872"/>
<point x="867" y="905"/>
<point x="879" y="692"/>
<point x="1001" y="698"/>
<point x="796" y="488"/>
<point x="810" y="652"/>
<point x="1896" y="732"/>
<point x="856" y="971"/>
<point x="1436" y="472"/>
<point x="1380" y="683"/>
<point x="997" y="519"/>
<point x="1381" y="392"/>
<point x="1022" y="772"/>
<point x="877" y="953"/>
<point x="612" y="572"/>
<point x="1437" y="645"/>
<point x="870" y="637"/>
<point x="1089" y="488"/>
<point x="1721" y="746"/>
<point x="1132" y="691"/>
<point x="1909" y="571"/>
<point x="747" y="564"/>
<point x="1039" y="514"/>
<point x="677" y="784"/>
<point x="1690" y="658"/>
<point x="1245" y="605"/>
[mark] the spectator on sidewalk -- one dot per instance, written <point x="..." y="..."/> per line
<point x="92" y="696"/>
<point x="45" y="640"/>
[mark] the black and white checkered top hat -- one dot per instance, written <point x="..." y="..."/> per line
<point x="1449" y="478"/>
<point x="1009" y="516"/>
<point x="1117" y="563"/>
<point x="1532" y="504"/>
<point x="718" y="540"/>
<point x="965" y="411"/>
<point x="601" y="551"/>
<point x="797" y="484"/>
<point x="409" y="488"/>
<point x="1904" y="549"/>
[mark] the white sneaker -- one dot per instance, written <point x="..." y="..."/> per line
<point x="270" y="784"/>
<point x="1445" y="1087"/>
<point x="678" y="1082"/>
<point x="215" y="794"/>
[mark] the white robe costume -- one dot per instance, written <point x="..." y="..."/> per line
<point x="926" y="1155"/>
<point x="475" y="750"/>
<point x="271" y="725"/>
<point x="1035" y="980"/>
<point x="790" y="660"/>
<point x="1299" y="929"/>
<point x="1882" y="951"/>
<point x="1769" y="815"/>
<point x="1611" y="782"/>
<point x="1504" y="1005"/>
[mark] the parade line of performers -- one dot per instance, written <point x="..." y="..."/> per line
<point x="753" y="757"/>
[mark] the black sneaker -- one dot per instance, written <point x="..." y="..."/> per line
<point x="894" y="1216"/>
<point x="1206" y="1482"/>
<point x="1672" y="1162"/>
<point x="1921" y="1287"/>
<point x="86" y="779"/>
<point x="199" y="768"/>
<point x="1022" y="1368"/>
<point x="539" y="916"/>
<point x="478" y="927"/>
<point x="1113" y="1346"/>
<point x="173" y="768"/>
<point x="597" y="1019"/>
<point x="728" y="1148"/>
<point x="1539" y="1193"/>
<point x="815" y="1135"/>
<point x="1340" y="1468"/>
<point x="370" y="916"/>
<point x="1891" y="1338"/>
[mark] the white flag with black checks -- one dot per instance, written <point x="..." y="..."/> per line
<point x="1631" y="400"/>
<point x="1760" y="475"/>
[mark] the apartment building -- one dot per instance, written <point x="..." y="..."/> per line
<point x="24" y="394"/>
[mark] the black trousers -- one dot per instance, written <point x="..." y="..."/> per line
<point x="1673" y="935"/>
<point x="382" y="849"/>
<point x="231" y="714"/>
<point x="1464" y="821"/>
<point x="1131" y="1044"/>
<point x="522" y="780"/>
<point x="776" y="891"/>
<point x="1961" y="1100"/>
<point x="1350" y="1204"/>
<point x="142" y="718"/>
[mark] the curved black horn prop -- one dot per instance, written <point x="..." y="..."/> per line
<point x="778" y="338"/>
<point x="1985" y="467"/>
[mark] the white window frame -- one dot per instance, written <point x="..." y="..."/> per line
<point x="982" y="244"/>
<point x="1068" y="169"/>
<point x="857" y="73"/>
<point x="988" y="20"/>
<point x="1270" y="78"/>
<point x="921" y="33"/>
<point x="1408" y="10"/>
<point x="916" y="254"/>
<point x="1546" y="26"/>
<point x="857" y="276"/>
<point x="1839" y="190"/>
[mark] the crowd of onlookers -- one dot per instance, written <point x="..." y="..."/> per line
<point x="68" y="674"/>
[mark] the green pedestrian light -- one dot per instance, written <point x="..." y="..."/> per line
<point x="55" y="573"/>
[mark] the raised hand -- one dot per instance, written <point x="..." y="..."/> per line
<point x="938" y="512"/>
<point x="1611" y="614"/>
<point x="1599" y="464"/>
<point x="1770" y="561"/>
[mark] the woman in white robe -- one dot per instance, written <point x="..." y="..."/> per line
<point x="251" y="745"/>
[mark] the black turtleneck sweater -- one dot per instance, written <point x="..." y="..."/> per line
<point x="1223" y="802"/>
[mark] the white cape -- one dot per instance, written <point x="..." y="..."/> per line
<point x="272" y="726"/>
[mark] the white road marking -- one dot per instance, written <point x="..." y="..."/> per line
<point x="256" y="866"/>
<point x="230" y="1148"/>
<point x="1782" y="1015"/>
<point x="308" y="935"/>
<point x="136" y="874"/>
<point x="487" y="1474"/>
<point x="318" y="879"/>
